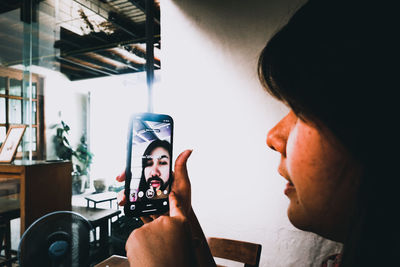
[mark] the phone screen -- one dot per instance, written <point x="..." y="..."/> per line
<point x="149" y="164"/>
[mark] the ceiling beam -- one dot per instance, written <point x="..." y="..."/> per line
<point x="76" y="73"/>
<point x="119" y="57"/>
<point x="128" y="56"/>
<point x="72" y="44"/>
<point x="136" y="31"/>
<point x="84" y="66"/>
<point x="141" y="4"/>
<point x="8" y="5"/>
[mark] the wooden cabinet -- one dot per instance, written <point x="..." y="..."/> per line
<point x="44" y="187"/>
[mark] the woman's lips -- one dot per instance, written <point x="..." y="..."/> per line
<point x="289" y="188"/>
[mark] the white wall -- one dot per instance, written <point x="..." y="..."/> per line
<point x="112" y="102"/>
<point x="63" y="101"/>
<point x="210" y="87"/>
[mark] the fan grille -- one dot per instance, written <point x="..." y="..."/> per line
<point x="69" y="227"/>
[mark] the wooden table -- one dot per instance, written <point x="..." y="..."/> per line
<point x="101" y="197"/>
<point x="9" y="210"/>
<point x="114" y="261"/>
<point x="99" y="218"/>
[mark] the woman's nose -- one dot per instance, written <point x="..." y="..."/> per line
<point x="278" y="135"/>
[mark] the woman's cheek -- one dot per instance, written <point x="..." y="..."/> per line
<point x="291" y="153"/>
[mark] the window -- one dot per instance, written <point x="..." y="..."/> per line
<point x="15" y="108"/>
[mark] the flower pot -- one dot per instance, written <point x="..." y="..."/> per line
<point x="99" y="186"/>
<point x="78" y="183"/>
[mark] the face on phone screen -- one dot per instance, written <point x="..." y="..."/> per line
<point x="150" y="165"/>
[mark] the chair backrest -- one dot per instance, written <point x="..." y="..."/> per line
<point x="240" y="251"/>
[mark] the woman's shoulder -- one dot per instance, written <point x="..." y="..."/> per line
<point x="332" y="261"/>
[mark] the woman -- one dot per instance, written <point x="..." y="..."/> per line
<point x="331" y="65"/>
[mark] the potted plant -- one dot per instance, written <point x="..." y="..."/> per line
<point x="84" y="157"/>
<point x="81" y="157"/>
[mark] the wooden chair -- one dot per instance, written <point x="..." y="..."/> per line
<point x="9" y="210"/>
<point x="240" y="251"/>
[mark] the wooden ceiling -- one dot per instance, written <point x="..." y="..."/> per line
<point x="94" y="54"/>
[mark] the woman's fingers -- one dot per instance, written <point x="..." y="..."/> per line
<point x="181" y="184"/>
<point x="121" y="198"/>
<point x="121" y="177"/>
<point x="146" y="219"/>
<point x="181" y="177"/>
<point x="149" y="218"/>
<point x="121" y="194"/>
<point x="181" y="173"/>
<point x="175" y="208"/>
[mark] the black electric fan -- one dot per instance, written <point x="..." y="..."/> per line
<point x="58" y="239"/>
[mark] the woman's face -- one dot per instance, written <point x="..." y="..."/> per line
<point x="157" y="168"/>
<point x="322" y="177"/>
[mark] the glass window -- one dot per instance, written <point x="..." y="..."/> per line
<point x="25" y="139"/>
<point x="34" y="90"/>
<point x="26" y="90"/>
<point x="15" y="110"/>
<point x="34" y="110"/>
<point x="2" y="110"/>
<point x="3" y="133"/>
<point x="3" y="85"/>
<point x="15" y="87"/>
<point x="26" y="112"/>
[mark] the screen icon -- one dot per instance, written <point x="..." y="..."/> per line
<point x="150" y="193"/>
<point x="133" y="196"/>
<point x="141" y="194"/>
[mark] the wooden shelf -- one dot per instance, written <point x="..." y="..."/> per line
<point x="44" y="187"/>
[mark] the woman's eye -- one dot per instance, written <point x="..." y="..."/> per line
<point x="163" y="162"/>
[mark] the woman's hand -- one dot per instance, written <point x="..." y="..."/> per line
<point x="181" y="184"/>
<point x="174" y="240"/>
<point x="166" y="241"/>
<point x="121" y="194"/>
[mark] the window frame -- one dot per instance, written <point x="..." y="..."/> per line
<point x="8" y="74"/>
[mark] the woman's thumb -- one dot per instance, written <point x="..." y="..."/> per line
<point x="175" y="209"/>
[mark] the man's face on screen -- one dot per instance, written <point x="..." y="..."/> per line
<point x="157" y="168"/>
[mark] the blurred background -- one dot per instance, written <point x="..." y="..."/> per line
<point x="79" y="68"/>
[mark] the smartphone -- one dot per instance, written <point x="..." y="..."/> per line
<point x="148" y="164"/>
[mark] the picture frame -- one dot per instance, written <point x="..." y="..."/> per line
<point x="9" y="147"/>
